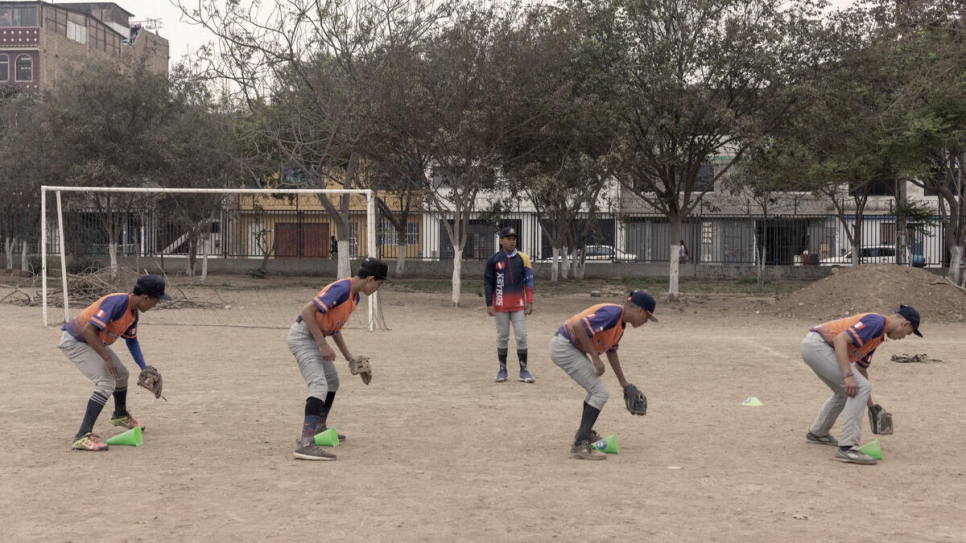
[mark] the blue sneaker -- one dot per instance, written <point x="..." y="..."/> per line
<point x="525" y="376"/>
<point x="501" y="376"/>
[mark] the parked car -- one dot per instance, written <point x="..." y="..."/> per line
<point x="608" y="253"/>
<point x="873" y="254"/>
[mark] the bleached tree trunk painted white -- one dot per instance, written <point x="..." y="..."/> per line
<point x="554" y="263"/>
<point x="457" y="277"/>
<point x="675" y="276"/>
<point x="955" y="265"/>
<point x="112" y="250"/>
<point x="24" y="257"/>
<point x="8" y="253"/>
<point x="344" y="266"/>
<point x="401" y="260"/>
<point x="565" y="266"/>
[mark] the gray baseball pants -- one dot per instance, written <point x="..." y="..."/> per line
<point x="92" y="365"/>
<point x="320" y="375"/>
<point x="580" y="369"/>
<point x="503" y="321"/>
<point x="820" y="356"/>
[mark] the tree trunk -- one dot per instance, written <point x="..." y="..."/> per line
<point x="8" y="253"/>
<point x="112" y="250"/>
<point x="457" y="276"/>
<point x="955" y="265"/>
<point x="344" y="267"/>
<point x="401" y="260"/>
<point x="673" y="289"/>
<point x="25" y="257"/>
<point x="554" y="262"/>
<point x="564" y="263"/>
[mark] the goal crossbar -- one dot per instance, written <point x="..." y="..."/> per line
<point x="58" y="190"/>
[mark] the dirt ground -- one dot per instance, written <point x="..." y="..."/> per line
<point x="437" y="451"/>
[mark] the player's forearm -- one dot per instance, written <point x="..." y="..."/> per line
<point x="615" y="364"/>
<point x="94" y="340"/>
<point x="340" y="343"/>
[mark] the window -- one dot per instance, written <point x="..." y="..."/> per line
<point x="4" y="68"/>
<point x="25" y="68"/>
<point x="705" y="180"/>
<point x="76" y="32"/>
<point x="390" y="237"/>
<point x="11" y="16"/>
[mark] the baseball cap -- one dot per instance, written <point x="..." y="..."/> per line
<point x="645" y="301"/>
<point x="508" y="231"/>
<point x="911" y="315"/>
<point x="373" y="267"/>
<point x="151" y="285"/>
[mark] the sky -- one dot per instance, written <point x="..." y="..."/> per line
<point x="183" y="37"/>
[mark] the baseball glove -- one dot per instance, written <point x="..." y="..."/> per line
<point x="150" y="378"/>
<point x="635" y="400"/>
<point x="880" y="420"/>
<point x="359" y="365"/>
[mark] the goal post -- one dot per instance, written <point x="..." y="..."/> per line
<point x="371" y="247"/>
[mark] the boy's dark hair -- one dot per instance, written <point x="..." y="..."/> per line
<point x="373" y="267"/>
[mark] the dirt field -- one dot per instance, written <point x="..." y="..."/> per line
<point x="438" y="452"/>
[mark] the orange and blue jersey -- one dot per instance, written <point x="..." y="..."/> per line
<point x="335" y="303"/>
<point x="604" y="323"/>
<point x="113" y="317"/>
<point x="867" y="331"/>
<point x="508" y="281"/>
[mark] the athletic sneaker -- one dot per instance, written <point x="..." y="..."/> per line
<point x="594" y="437"/>
<point x="820" y="440"/>
<point x="126" y="421"/>
<point x="855" y="456"/>
<point x="89" y="442"/>
<point x="313" y="452"/>
<point x="501" y="376"/>
<point x="323" y="427"/>
<point x="525" y="376"/>
<point x="585" y="451"/>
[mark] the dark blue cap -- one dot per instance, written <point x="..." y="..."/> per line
<point x="508" y="231"/>
<point x="645" y="301"/>
<point x="151" y="285"/>
<point x="910" y="314"/>
<point x="373" y="267"/>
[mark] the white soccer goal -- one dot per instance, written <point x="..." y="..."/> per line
<point x="101" y="194"/>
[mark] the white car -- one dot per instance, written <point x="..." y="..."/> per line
<point x="607" y="253"/>
<point x="875" y="254"/>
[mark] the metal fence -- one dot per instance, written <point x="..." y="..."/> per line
<point x="307" y="234"/>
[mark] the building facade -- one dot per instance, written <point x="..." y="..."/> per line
<point x="38" y="39"/>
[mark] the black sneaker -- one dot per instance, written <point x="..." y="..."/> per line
<point x="855" y="456"/>
<point x="313" y="452"/>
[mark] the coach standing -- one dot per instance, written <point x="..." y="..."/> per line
<point x="508" y="279"/>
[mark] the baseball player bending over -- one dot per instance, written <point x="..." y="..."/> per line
<point x="840" y="352"/>
<point x="508" y="281"/>
<point x="87" y="341"/>
<point x="320" y="319"/>
<point x="597" y="330"/>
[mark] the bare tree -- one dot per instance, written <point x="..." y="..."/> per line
<point x="696" y="79"/>
<point x="296" y="64"/>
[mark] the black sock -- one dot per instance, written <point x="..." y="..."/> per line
<point x="120" y="403"/>
<point x="844" y="447"/>
<point x="313" y="411"/>
<point x="587" y="421"/>
<point x="94" y="406"/>
<point x="326" y="407"/>
<point x="501" y="356"/>
<point x="522" y="356"/>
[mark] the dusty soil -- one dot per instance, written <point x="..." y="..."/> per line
<point x="438" y="452"/>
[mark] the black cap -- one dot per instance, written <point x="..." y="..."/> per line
<point x="645" y="301"/>
<point x="373" y="267"/>
<point x="151" y="285"/>
<point x="910" y="314"/>
<point x="507" y="232"/>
